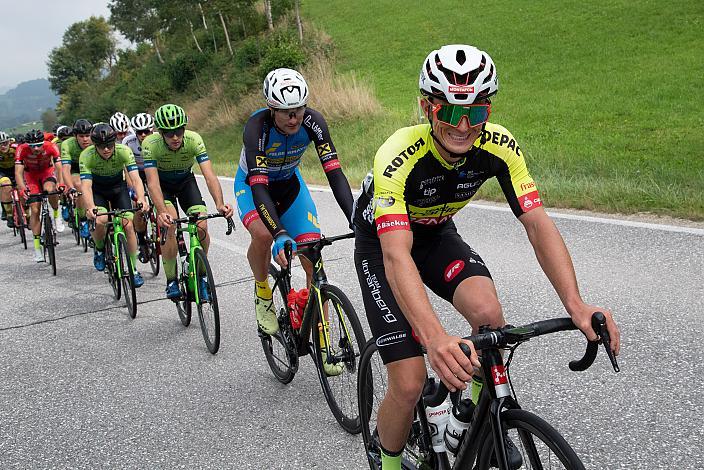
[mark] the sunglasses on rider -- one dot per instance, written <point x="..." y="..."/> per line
<point x="144" y="131"/>
<point x="452" y="114"/>
<point x="292" y="113"/>
<point x="36" y="145"/>
<point x="170" y="133"/>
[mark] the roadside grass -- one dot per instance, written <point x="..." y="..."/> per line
<point x="604" y="98"/>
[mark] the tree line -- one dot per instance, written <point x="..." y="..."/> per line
<point x="179" y="46"/>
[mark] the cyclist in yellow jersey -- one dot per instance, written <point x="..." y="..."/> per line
<point x="405" y="238"/>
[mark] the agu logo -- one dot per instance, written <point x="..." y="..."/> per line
<point x="453" y="269"/>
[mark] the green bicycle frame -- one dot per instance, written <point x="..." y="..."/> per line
<point x="117" y="229"/>
<point x="193" y="245"/>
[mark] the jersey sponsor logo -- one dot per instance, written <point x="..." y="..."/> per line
<point x="432" y="220"/>
<point x="385" y="201"/>
<point x="314" y="126"/>
<point x="368" y="212"/>
<point x="527" y="186"/>
<point x="453" y="269"/>
<point x="250" y="217"/>
<point x="429" y="191"/>
<point x="530" y="201"/>
<point x="469" y="173"/>
<point x="391" y="338"/>
<point x="323" y="149"/>
<point x="463" y="196"/>
<point x="269" y="219"/>
<point x="261" y="161"/>
<point x="258" y="179"/>
<point x="434" y="179"/>
<point x="375" y="290"/>
<point x="403" y="157"/>
<point x="391" y="222"/>
<point x="461" y="88"/>
<point x="498" y="374"/>
<point x="331" y="165"/>
<point x="470" y="185"/>
<point x="428" y="200"/>
<point x="502" y="139"/>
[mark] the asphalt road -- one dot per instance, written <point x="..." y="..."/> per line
<point x="84" y="386"/>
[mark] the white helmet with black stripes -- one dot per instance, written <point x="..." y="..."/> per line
<point x="285" y="89"/>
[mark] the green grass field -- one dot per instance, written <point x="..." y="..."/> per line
<point x="604" y="97"/>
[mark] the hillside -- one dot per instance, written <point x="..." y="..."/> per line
<point x="597" y="94"/>
<point x="26" y="102"/>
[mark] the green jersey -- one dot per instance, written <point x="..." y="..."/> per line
<point x="173" y="165"/>
<point x="106" y="173"/>
<point x="70" y="151"/>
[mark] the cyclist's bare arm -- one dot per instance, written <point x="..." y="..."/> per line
<point x="66" y="172"/>
<point x="211" y="179"/>
<point x="19" y="177"/>
<point x="87" y="190"/>
<point x="136" y="183"/>
<point x="555" y="260"/>
<point x="444" y="353"/>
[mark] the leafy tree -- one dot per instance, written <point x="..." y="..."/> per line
<point x="49" y="119"/>
<point x="88" y="49"/>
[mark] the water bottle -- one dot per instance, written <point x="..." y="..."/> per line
<point x="458" y="423"/>
<point x="438" y="417"/>
<point x="296" y="303"/>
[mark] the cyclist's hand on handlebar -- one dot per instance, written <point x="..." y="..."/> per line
<point x="446" y="358"/>
<point x="226" y="210"/>
<point x="91" y="213"/>
<point x="144" y="203"/>
<point x="582" y="318"/>
<point x="277" y="249"/>
<point x="164" y="219"/>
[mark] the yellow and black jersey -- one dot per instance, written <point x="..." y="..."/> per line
<point x="413" y="184"/>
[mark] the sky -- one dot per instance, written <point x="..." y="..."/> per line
<point x="30" y="29"/>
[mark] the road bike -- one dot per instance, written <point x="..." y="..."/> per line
<point x="118" y="264"/>
<point x="195" y="278"/>
<point x="500" y="433"/>
<point x="74" y="221"/>
<point x="18" y="215"/>
<point x="47" y="235"/>
<point x="329" y="331"/>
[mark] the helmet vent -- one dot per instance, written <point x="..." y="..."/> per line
<point x="461" y="57"/>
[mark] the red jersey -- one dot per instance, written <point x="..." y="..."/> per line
<point x="35" y="162"/>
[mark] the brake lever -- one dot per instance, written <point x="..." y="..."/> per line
<point x="230" y="225"/>
<point x="599" y="325"/>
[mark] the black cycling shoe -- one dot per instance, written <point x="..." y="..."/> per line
<point x="143" y="255"/>
<point x="515" y="460"/>
<point x="10" y="222"/>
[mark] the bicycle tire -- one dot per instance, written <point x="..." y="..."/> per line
<point x="208" y="311"/>
<point x="74" y="223"/>
<point x="126" y="270"/>
<point x="280" y="349"/>
<point x="528" y="427"/>
<point x="20" y="223"/>
<point x="154" y="244"/>
<point x="110" y="269"/>
<point x="346" y="343"/>
<point x="371" y="388"/>
<point x="49" y="247"/>
<point x="183" y="305"/>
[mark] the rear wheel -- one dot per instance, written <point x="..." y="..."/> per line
<point x="126" y="273"/>
<point x="20" y="222"/>
<point x="539" y="444"/>
<point x="342" y="342"/>
<point x="208" y="310"/>
<point x="183" y="305"/>
<point x="49" y="247"/>
<point x="280" y="348"/>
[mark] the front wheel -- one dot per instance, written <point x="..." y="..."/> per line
<point x="125" y="271"/>
<point x="537" y="442"/>
<point x="207" y="302"/>
<point x="49" y="247"/>
<point x="111" y="269"/>
<point x="20" y="222"/>
<point x="338" y="339"/>
<point x="183" y="305"/>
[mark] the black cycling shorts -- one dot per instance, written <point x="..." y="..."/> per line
<point x="112" y="198"/>
<point x="443" y="260"/>
<point x="186" y="192"/>
<point x="75" y="168"/>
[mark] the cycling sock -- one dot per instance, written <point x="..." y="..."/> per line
<point x="262" y="289"/>
<point x="133" y="258"/>
<point x="56" y="213"/>
<point x="81" y="213"/>
<point x="390" y="460"/>
<point x="37" y="243"/>
<point x="99" y="244"/>
<point x="8" y="207"/>
<point x="477" y="384"/>
<point x="170" y="269"/>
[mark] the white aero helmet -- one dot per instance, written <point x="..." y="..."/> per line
<point x="285" y="89"/>
<point x="120" y="122"/>
<point x="458" y="74"/>
<point x="4" y="137"/>
<point x="143" y="122"/>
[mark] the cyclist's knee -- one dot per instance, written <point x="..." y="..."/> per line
<point x="259" y="233"/>
<point x="406" y="381"/>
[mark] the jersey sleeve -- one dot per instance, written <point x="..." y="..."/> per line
<point x="65" y="152"/>
<point x="199" y="151"/>
<point x="19" y="155"/>
<point x="148" y="154"/>
<point x="53" y="150"/>
<point x="254" y="139"/>
<point x="318" y="132"/>
<point x="84" y="165"/>
<point x="390" y="173"/>
<point x="128" y="158"/>
<point x="516" y="182"/>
